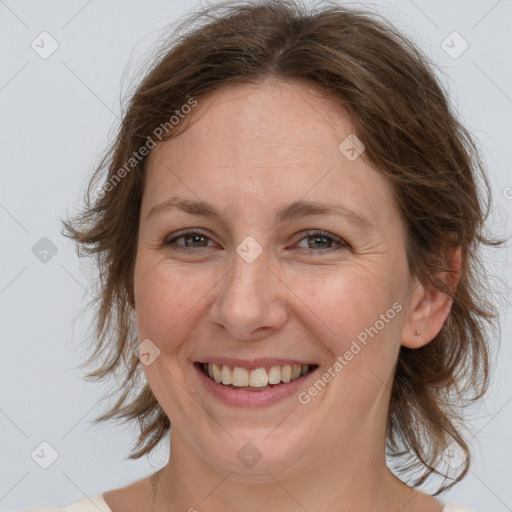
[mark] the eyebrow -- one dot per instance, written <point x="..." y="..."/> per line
<point x="297" y="209"/>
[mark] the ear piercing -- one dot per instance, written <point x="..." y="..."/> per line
<point x="416" y="333"/>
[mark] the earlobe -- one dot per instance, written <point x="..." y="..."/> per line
<point x="429" y="307"/>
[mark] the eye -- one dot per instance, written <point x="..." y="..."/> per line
<point x="192" y="239"/>
<point x="197" y="239"/>
<point x="322" y="238"/>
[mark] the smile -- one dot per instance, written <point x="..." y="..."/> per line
<point x="253" y="382"/>
<point x="257" y="379"/>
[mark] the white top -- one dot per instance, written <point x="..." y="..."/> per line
<point x="97" y="503"/>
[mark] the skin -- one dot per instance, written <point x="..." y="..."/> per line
<point x="250" y="150"/>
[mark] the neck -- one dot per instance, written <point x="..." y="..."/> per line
<point x="344" y="479"/>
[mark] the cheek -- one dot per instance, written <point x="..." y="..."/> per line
<point x="166" y="299"/>
<point x="363" y="319"/>
<point x="345" y="303"/>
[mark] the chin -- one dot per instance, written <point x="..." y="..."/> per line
<point x="247" y="455"/>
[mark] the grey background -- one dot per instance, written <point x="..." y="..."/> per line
<point x="56" y="116"/>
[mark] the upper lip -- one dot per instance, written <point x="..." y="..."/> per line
<point x="252" y="364"/>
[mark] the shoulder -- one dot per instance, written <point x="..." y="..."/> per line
<point x="450" y="507"/>
<point x="94" y="504"/>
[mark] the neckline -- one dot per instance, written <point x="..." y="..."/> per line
<point x="104" y="504"/>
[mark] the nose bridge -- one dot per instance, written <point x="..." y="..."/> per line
<point x="249" y="265"/>
<point x="250" y="299"/>
<point x="248" y="269"/>
<point x="246" y="282"/>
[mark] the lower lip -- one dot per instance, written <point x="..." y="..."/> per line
<point x="242" y="398"/>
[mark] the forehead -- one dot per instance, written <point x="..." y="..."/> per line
<point x="265" y="120"/>
<point x="277" y="139"/>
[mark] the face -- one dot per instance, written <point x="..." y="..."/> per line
<point x="270" y="282"/>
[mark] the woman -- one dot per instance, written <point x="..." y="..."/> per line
<point x="290" y="370"/>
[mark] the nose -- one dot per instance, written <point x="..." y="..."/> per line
<point x="251" y="301"/>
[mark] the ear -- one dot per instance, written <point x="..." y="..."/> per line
<point x="429" y="307"/>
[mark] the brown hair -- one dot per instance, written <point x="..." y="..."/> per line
<point x="400" y="112"/>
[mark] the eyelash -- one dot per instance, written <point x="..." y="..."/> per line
<point x="307" y="234"/>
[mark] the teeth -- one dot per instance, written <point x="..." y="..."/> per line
<point x="286" y="373"/>
<point x="257" y="378"/>
<point x="240" y="377"/>
<point x="226" y="375"/>
<point x="274" y="375"/>
<point x="216" y="373"/>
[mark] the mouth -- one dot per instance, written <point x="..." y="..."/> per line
<point x="256" y="379"/>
